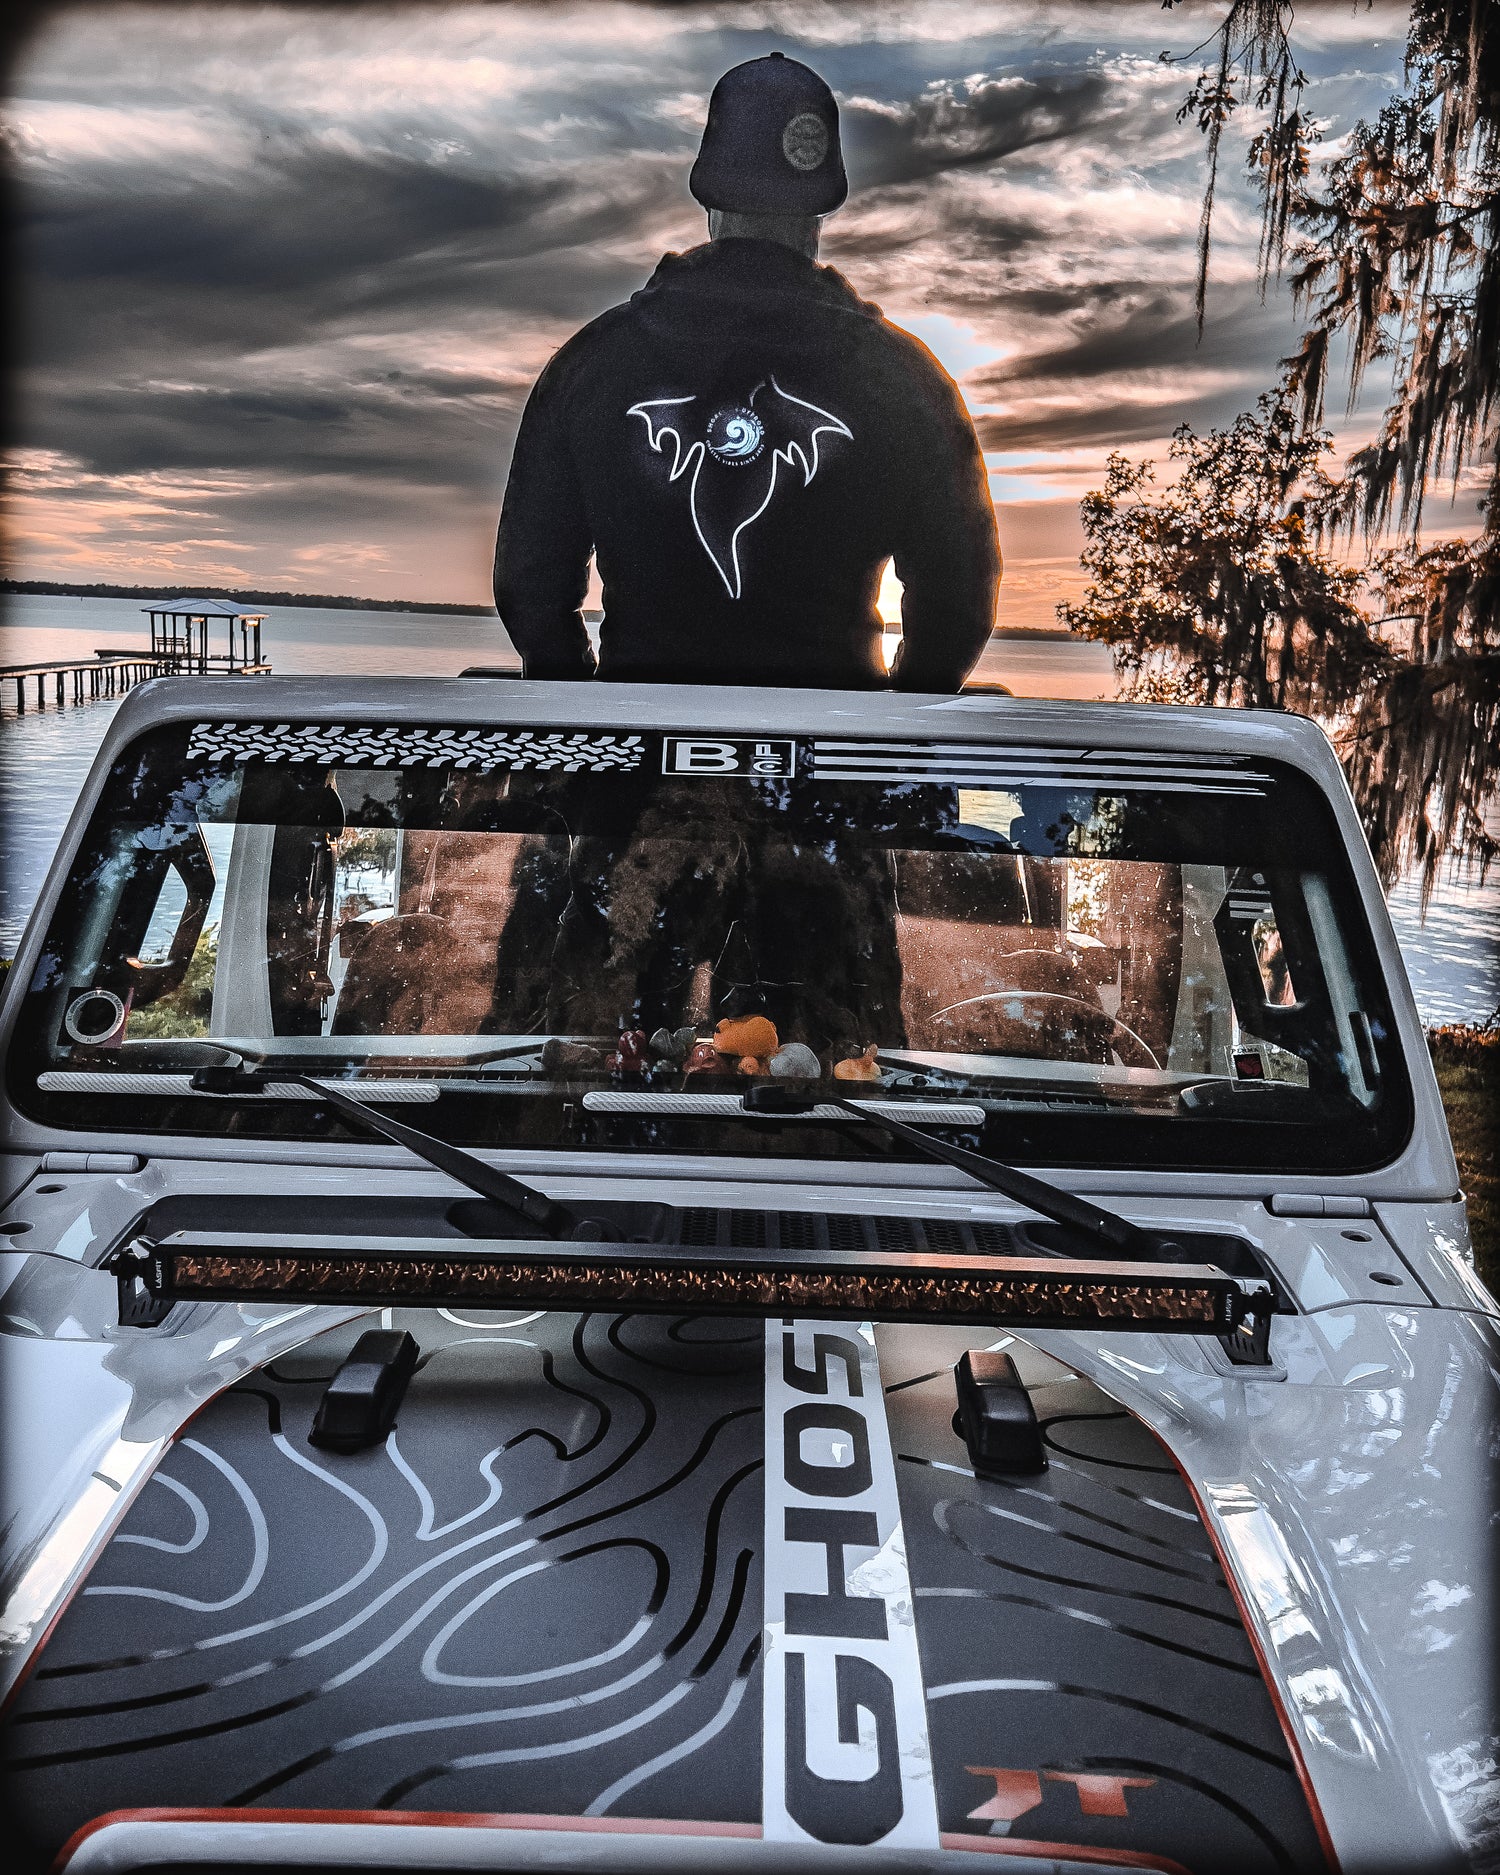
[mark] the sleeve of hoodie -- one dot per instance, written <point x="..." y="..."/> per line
<point x="946" y="548"/>
<point x="544" y="541"/>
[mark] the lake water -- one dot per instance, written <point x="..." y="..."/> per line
<point x="1453" y="958"/>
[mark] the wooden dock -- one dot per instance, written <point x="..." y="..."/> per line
<point x="84" y="680"/>
<point x="179" y="647"/>
<point x="78" y="680"/>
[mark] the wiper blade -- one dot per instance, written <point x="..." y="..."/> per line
<point x="1106" y="1228"/>
<point x="465" y="1167"/>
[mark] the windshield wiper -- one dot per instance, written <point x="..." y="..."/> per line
<point x="1107" y="1228"/>
<point x="233" y="1077"/>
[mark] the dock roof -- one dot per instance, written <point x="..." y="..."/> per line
<point x="200" y="608"/>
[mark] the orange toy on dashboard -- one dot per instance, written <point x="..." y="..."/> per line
<point x="747" y="1035"/>
<point x="858" y="1067"/>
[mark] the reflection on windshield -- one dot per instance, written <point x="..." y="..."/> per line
<point x="1157" y="954"/>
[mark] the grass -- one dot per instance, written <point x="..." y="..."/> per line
<point x="1467" y="1061"/>
<point x="186" y="1011"/>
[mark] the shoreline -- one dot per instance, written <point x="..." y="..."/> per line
<point x="240" y="595"/>
<point x="348" y="602"/>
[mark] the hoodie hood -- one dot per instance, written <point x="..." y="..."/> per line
<point x="741" y="447"/>
<point x="714" y="299"/>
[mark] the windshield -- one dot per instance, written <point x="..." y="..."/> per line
<point x="1113" y="960"/>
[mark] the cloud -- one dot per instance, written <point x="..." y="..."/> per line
<point x="288" y="273"/>
<point x="965" y="124"/>
<point x="305" y="216"/>
<point x="277" y="529"/>
<point x="1123" y="363"/>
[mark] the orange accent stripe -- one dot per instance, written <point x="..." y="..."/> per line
<point x="19" y="1682"/>
<point x="1294" y="1744"/>
<point x="1068" y="1851"/>
<point x="428" y="1819"/>
<point x="125" y="1498"/>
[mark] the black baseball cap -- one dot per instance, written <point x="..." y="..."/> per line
<point x="771" y="144"/>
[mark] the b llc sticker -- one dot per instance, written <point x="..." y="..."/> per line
<point x="758" y="760"/>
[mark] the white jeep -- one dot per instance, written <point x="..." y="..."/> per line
<point x="606" y="1277"/>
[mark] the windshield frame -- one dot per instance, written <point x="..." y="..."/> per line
<point x="1133" y="1141"/>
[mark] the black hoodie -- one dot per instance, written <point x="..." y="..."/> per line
<point x="742" y="446"/>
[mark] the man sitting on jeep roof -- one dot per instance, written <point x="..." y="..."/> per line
<point x="745" y="444"/>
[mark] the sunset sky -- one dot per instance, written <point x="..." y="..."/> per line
<point x="288" y="273"/>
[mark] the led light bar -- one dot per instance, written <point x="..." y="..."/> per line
<point x="1036" y="1292"/>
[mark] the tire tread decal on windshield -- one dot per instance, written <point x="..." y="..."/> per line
<point x="732" y="475"/>
<point x="846" y="1757"/>
<point x="409" y="746"/>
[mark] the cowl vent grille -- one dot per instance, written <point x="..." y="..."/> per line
<point x="693" y="1227"/>
<point x="700" y="1228"/>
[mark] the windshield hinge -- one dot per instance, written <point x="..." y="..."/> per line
<point x="118" y="1162"/>
<point x="1311" y="1204"/>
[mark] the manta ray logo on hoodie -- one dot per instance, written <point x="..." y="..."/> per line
<point x="733" y="455"/>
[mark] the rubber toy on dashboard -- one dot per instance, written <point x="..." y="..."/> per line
<point x="559" y="1057"/>
<point x="795" y="1061"/>
<point x="703" y="1058"/>
<point x="673" y="1044"/>
<point x="742" y="1036"/>
<point x="858" y="1067"/>
<point x="630" y="1056"/>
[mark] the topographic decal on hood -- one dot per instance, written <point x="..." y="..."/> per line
<point x="733" y="474"/>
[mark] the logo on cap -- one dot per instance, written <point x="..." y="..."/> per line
<point x="804" y="142"/>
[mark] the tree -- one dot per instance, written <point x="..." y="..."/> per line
<point x="1215" y="589"/>
<point x="1400" y="252"/>
<point x="1421" y="748"/>
<point x="1395" y="250"/>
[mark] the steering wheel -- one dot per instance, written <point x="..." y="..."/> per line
<point x="1139" y="1048"/>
